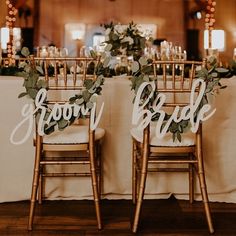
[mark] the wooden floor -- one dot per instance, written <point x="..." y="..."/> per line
<point x="158" y="217"/>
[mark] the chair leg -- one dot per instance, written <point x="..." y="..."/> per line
<point x="134" y="172"/>
<point x="35" y="182"/>
<point x="40" y="188"/>
<point x="203" y="187"/>
<point x="94" y="180"/>
<point x="143" y="178"/>
<point x="191" y="183"/>
<point x="99" y="167"/>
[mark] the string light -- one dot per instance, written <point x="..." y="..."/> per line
<point x="10" y="22"/>
<point x="210" y="16"/>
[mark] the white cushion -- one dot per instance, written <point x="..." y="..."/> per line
<point x="72" y="134"/>
<point x="187" y="139"/>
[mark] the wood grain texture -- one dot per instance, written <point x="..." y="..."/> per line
<point x="159" y="217"/>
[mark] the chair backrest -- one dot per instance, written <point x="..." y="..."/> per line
<point x="72" y="71"/>
<point x="66" y="78"/>
<point x="175" y="79"/>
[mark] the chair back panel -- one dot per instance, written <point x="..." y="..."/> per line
<point x="66" y="78"/>
<point x="67" y="73"/>
<point x="175" y="79"/>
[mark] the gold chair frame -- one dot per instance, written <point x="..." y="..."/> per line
<point x="145" y="155"/>
<point x="92" y="148"/>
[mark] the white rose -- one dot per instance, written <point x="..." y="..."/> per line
<point x="108" y="31"/>
<point x="127" y="39"/>
<point x="119" y="29"/>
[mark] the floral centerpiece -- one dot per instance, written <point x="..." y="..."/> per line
<point x="129" y="40"/>
<point x="126" y="40"/>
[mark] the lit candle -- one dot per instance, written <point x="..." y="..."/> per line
<point x="44" y="52"/>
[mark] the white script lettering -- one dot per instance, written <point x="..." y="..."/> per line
<point x="65" y="111"/>
<point x="142" y="117"/>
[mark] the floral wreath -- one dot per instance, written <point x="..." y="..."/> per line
<point x="126" y="40"/>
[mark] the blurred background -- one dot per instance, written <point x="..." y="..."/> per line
<point x="73" y="23"/>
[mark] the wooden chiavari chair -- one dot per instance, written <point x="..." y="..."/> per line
<point x="79" y="140"/>
<point x="149" y="153"/>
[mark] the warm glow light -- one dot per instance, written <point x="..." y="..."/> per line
<point x="77" y="34"/>
<point x="218" y="39"/>
<point x="4" y="37"/>
<point x="77" y="30"/>
<point x="98" y="40"/>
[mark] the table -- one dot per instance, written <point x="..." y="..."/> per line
<point x="219" y="144"/>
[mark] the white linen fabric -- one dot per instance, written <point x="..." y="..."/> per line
<point x="187" y="139"/>
<point x="219" y="147"/>
<point x="72" y="134"/>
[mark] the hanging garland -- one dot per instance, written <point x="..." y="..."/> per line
<point x="120" y="40"/>
<point x="131" y="41"/>
<point x="33" y="83"/>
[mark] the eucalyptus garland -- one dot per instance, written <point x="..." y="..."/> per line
<point x="131" y="41"/>
<point x="126" y="40"/>
<point x="33" y="82"/>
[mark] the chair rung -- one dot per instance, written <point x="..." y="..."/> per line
<point x="171" y="161"/>
<point x="64" y="162"/>
<point x="86" y="174"/>
<point x="168" y="170"/>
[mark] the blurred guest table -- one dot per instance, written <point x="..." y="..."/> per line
<point x="219" y="145"/>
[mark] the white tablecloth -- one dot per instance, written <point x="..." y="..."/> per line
<point x="16" y="162"/>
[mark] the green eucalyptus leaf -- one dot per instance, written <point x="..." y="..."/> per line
<point x="72" y="99"/>
<point x="214" y="75"/>
<point x="106" y="61"/>
<point x="40" y="69"/>
<point x="146" y="79"/>
<point x="134" y="66"/>
<point x="179" y="136"/>
<point x="62" y="124"/>
<point x="48" y="130"/>
<point x="108" y="47"/>
<point x="92" y="89"/>
<point x="79" y="101"/>
<point x="223" y="87"/>
<point x="222" y="70"/>
<point x="93" y="54"/>
<point x="147" y="69"/>
<point x="32" y="93"/>
<point x="143" y="61"/>
<point x="22" y="64"/>
<point x="93" y="98"/>
<point x="25" y="52"/>
<point x="22" y="95"/>
<point x="212" y="60"/>
<point x="89" y="105"/>
<point x="88" y="83"/>
<point x="86" y="95"/>
<point x="42" y="84"/>
<point x="173" y="136"/>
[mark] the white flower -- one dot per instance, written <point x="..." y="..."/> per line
<point x="127" y="39"/>
<point x="107" y="31"/>
<point x="119" y="28"/>
<point x="113" y="62"/>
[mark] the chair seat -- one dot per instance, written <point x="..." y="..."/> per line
<point x="72" y="135"/>
<point x="187" y="139"/>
